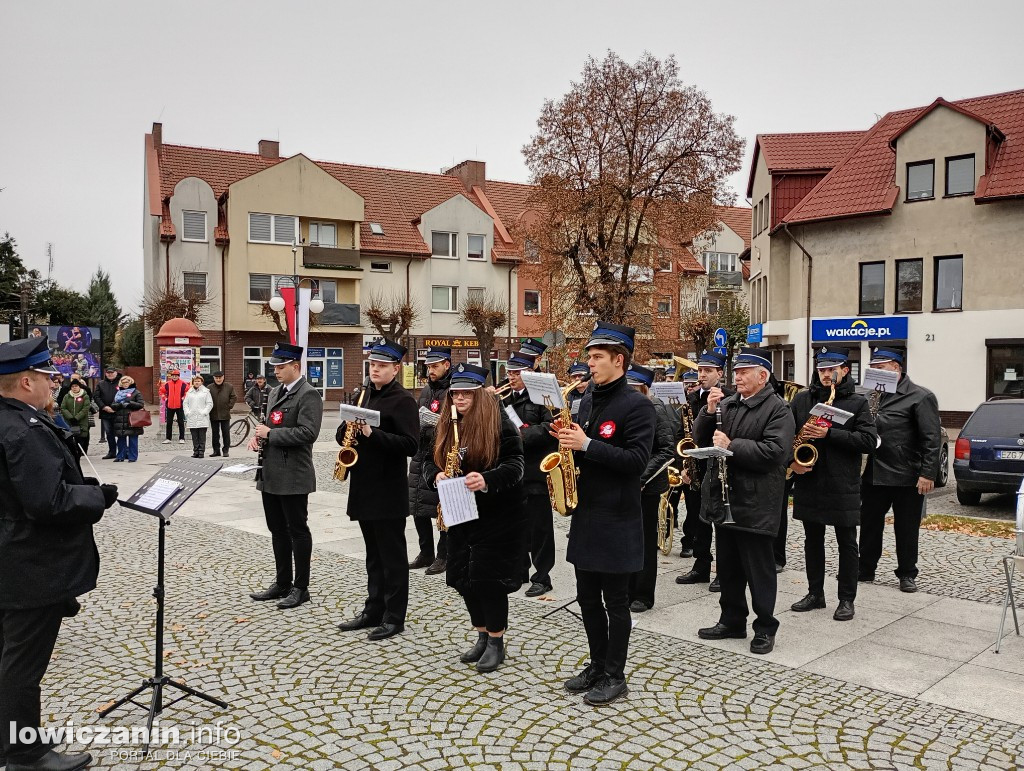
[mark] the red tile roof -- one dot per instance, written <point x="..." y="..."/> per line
<point x="738" y="219"/>
<point x="687" y="262"/>
<point x="815" y="151"/>
<point x="864" y="182"/>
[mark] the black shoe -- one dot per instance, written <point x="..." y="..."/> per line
<point x="721" y="632"/>
<point x="437" y="566"/>
<point x="225" y="453"/>
<point x="215" y="454"/>
<point x="606" y="691"/>
<point x="118" y="460"/>
<point x="845" y="611"/>
<point x="54" y="761"/>
<point x="274" y="592"/>
<point x="362" y="621"/>
<point x="779" y="567"/>
<point x="809" y="602"/>
<point x="586" y="679"/>
<point x="474" y="653"/>
<point x="537" y="589"/>
<point x="693" y="577"/>
<point x="109" y="455"/>
<point x="638" y="607"/>
<point x="494" y="655"/>
<point x="762" y="643"/>
<point x="685" y="553"/>
<point x="384" y="631"/>
<point x="295" y="598"/>
<point x="908" y="585"/>
<point x="715" y="586"/>
<point x="71" y="609"/>
<point x="422" y="561"/>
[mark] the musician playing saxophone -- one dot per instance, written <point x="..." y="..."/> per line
<point x="485" y="556"/>
<point x="611" y="442"/>
<point x="378" y="493"/>
<point x="829" y="492"/>
<point x="758" y="428"/>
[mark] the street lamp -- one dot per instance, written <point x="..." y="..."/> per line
<point x="316" y="305"/>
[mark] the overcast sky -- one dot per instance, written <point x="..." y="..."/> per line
<point x="421" y="85"/>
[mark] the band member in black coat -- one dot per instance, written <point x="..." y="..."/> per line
<point x="423" y="499"/>
<point x="654" y="482"/>
<point x="900" y="472"/>
<point x="757" y="427"/>
<point x="577" y="371"/>
<point x="829" y="492"/>
<point x="612" y="443"/>
<point x="378" y="494"/>
<point x="47" y="553"/>
<point x="485" y="556"/>
<point x="698" y="534"/>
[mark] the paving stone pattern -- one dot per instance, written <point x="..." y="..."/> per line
<point x="305" y="695"/>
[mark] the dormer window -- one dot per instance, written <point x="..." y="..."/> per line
<point x="960" y="175"/>
<point x="920" y="180"/>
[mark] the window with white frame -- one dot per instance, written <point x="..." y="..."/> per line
<point x="194" y="286"/>
<point x="664" y="306"/>
<point x="193" y="226"/>
<point x="444" y="299"/>
<point x="476" y="247"/>
<point x="716" y="304"/>
<point x="444" y="244"/>
<point x="720" y="261"/>
<point x="260" y="287"/>
<point x="476" y="294"/>
<point x="272" y="228"/>
<point x="380" y="266"/>
<point x="282" y="282"/>
<point x="328" y="289"/>
<point x="323" y="234"/>
<point x="531" y="302"/>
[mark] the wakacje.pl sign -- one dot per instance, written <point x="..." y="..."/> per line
<point x="854" y="330"/>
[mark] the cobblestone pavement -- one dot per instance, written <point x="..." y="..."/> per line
<point x="304" y="695"/>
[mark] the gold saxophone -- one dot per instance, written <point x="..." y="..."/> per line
<point x="561" y="466"/>
<point x="347" y="455"/>
<point x="452" y="463"/>
<point x="666" y="518"/>
<point x="805" y="454"/>
<point x="687" y="443"/>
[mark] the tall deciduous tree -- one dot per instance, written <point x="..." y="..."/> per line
<point x="628" y="164"/>
<point x="484" y="316"/>
<point x="391" y="315"/>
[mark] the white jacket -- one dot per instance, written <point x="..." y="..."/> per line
<point x="198" y="405"/>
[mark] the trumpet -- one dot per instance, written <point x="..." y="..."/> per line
<point x="348" y="456"/>
<point x="503" y="390"/>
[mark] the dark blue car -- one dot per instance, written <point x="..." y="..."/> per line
<point x="989" y="453"/>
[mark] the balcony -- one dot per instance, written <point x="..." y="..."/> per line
<point x="725" y="280"/>
<point x="339" y="315"/>
<point x="330" y="257"/>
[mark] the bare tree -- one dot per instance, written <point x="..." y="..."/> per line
<point x="484" y="316"/>
<point x="698" y="327"/>
<point x="391" y="315"/>
<point x="162" y="303"/>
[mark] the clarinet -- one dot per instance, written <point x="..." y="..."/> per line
<point x="261" y="443"/>
<point x="723" y="473"/>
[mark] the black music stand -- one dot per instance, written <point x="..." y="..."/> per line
<point x="190" y="475"/>
<point x="564" y="606"/>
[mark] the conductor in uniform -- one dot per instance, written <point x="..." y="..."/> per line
<point x="47" y="553"/>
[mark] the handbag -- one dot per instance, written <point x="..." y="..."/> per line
<point x="139" y="418"/>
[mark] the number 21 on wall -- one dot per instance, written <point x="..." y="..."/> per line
<point x="929" y="338"/>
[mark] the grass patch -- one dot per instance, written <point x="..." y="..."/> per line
<point x="970" y="526"/>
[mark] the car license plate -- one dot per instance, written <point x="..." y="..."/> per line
<point x="1011" y="454"/>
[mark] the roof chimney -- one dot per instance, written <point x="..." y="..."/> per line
<point x="471" y="174"/>
<point x="270" y="148"/>
<point x="158" y="135"/>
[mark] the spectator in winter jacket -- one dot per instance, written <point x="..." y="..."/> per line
<point x="224" y="399"/>
<point x="104" y="398"/>
<point x="75" y="407"/>
<point x="126" y="401"/>
<point x="173" y="393"/>
<point x="198" y="405"/>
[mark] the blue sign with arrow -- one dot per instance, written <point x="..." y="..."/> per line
<point x="721" y="338"/>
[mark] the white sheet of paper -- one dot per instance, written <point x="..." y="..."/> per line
<point x="157" y="495"/>
<point x="830" y="413"/>
<point x="428" y="418"/>
<point x="670" y="392"/>
<point x="701" y="453"/>
<point x="239" y="468"/>
<point x="881" y="380"/>
<point x="574" y="408"/>
<point x="350" y="412"/>
<point x="458" y="502"/>
<point x="541" y="385"/>
<point x="516" y="420"/>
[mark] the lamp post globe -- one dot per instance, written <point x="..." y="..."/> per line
<point x="276" y="303"/>
<point x="316" y="305"/>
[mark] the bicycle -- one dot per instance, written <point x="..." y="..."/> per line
<point x="241" y="428"/>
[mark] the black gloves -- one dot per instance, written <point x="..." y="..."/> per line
<point x="90" y="480"/>
<point x="109" y="495"/>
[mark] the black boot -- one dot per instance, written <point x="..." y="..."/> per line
<point x="474" y="653"/>
<point x="493" y="656"/>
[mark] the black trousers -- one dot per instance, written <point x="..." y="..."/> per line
<point x="542" y="538"/>
<point x="286" y="519"/>
<point x="746" y="559"/>
<point x="608" y="623"/>
<point x="425" y="528"/>
<point x="170" y="414"/>
<point x="779" y="547"/>
<point x="701" y="533"/>
<point x="488" y="609"/>
<point x="814" y="559"/>
<point x="198" y="440"/>
<point x="907" y="505"/>
<point x="221" y="433"/>
<point x="642" y="583"/>
<point x="387" y="570"/>
<point x="108" y="431"/>
<point x="27" y="638"/>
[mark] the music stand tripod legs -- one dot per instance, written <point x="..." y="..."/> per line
<point x="159" y="682"/>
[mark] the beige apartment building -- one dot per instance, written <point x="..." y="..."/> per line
<point x="909" y="235"/>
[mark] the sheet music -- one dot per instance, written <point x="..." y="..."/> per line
<point x="458" y="502"/>
<point x="881" y="380"/>
<point x="513" y="416"/>
<point x="541" y="385"/>
<point x="239" y="468"/>
<point x="669" y="392"/>
<point x="702" y="453"/>
<point x="830" y="413"/>
<point x="157" y="495"/>
<point x="428" y="418"/>
<point x="349" y="412"/>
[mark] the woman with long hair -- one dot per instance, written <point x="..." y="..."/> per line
<point x="485" y="555"/>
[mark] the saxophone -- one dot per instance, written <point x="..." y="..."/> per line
<point x="348" y="456"/>
<point x="666" y="514"/>
<point x="452" y="463"/>
<point x="561" y="466"/>
<point x="804" y="453"/>
<point x="687" y="443"/>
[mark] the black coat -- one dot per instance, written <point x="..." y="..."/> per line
<point x="294" y="417"/>
<point x="47" y="552"/>
<point x="423" y="497"/>
<point x="122" y="410"/>
<point x="663" y="449"/>
<point x="830" y="493"/>
<point x="606" y="534"/>
<point x="488" y="553"/>
<point x="104" y="395"/>
<point x="908" y="424"/>
<point x="537" y="439"/>
<point x="257" y="397"/>
<point x="378" y="483"/>
<point x="697" y="401"/>
<point x="761" y="431"/>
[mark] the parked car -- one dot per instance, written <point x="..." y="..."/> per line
<point x="943" y="477"/>
<point x="989" y="453"/>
